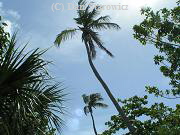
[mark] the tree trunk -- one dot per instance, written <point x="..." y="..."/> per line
<point x="114" y="101"/>
<point x="93" y="124"/>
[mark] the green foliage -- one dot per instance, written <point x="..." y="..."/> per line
<point x="162" y="29"/>
<point x="30" y="102"/>
<point x="93" y="101"/>
<point x="64" y="35"/>
<point x="87" y="23"/>
<point x="156" y="119"/>
<point x="4" y="36"/>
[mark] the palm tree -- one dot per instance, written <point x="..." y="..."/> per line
<point x="87" y="23"/>
<point x="93" y="101"/>
<point x="29" y="100"/>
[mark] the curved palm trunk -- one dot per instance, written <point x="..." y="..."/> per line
<point x="94" y="127"/>
<point x="119" y="109"/>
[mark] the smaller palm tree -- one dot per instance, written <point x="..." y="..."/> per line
<point x="93" y="101"/>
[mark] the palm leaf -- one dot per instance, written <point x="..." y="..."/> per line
<point x="97" y="40"/>
<point x="86" y="110"/>
<point x="65" y="35"/>
<point x="27" y="96"/>
<point x="85" y="98"/>
<point x="94" y="13"/>
<point x="105" y="25"/>
<point x="82" y="2"/>
<point x="102" y="19"/>
<point x="100" y="105"/>
<point x="93" y="102"/>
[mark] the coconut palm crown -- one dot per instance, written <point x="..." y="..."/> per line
<point x="93" y="101"/>
<point x="88" y="23"/>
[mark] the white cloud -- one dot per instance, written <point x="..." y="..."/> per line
<point x="73" y="124"/>
<point x="1" y="4"/>
<point x="102" y="55"/>
<point x="14" y="14"/>
<point x="10" y="12"/>
<point x="11" y="24"/>
<point x="79" y="112"/>
<point x="2" y="12"/>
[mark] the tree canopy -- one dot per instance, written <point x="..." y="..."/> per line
<point x="161" y="29"/>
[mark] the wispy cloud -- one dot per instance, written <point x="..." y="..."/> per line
<point x="79" y="112"/>
<point x="73" y="124"/>
<point x="11" y="23"/>
<point x="11" y="13"/>
<point x="14" y="14"/>
<point x="1" y="4"/>
<point x="2" y="12"/>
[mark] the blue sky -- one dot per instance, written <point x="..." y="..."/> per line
<point x="127" y="74"/>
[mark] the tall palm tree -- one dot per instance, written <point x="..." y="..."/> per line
<point x="29" y="100"/>
<point x="87" y="23"/>
<point x="93" y="101"/>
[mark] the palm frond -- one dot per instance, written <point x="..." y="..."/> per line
<point x="82" y="2"/>
<point x="94" y="13"/>
<point x="85" y="98"/>
<point x="65" y="35"/>
<point x="97" y="40"/>
<point x="105" y="25"/>
<point x="18" y="69"/>
<point x="28" y="100"/>
<point x="93" y="102"/>
<point x="106" y="50"/>
<point x="101" y="105"/>
<point x="86" y="15"/>
<point x="80" y="11"/>
<point x="51" y="99"/>
<point x="94" y="98"/>
<point x="86" y="110"/>
<point x="102" y="19"/>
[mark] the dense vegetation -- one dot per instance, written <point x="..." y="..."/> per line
<point x="29" y="98"/>
<point x="161" y="29"/>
